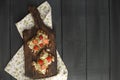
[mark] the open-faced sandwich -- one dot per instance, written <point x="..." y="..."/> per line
<point x="39" y="49"/>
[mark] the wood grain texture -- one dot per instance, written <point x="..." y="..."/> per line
<point x="74" y="38"/>
<point x="56" y="20"/>
<point x="115" y="38"/>
<point x="97" y="40"/>
<point x="87" y="36"/>
<point x="4" y="38"/>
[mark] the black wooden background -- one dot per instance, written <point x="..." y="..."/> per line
<point x="87" y="36"/>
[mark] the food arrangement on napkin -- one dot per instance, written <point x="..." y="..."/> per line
<point x="16" y="65"/>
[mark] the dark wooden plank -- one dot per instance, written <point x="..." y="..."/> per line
<point x="115" y="38"/>
<point x="56" y="20"/>
<point x="97" y="40"/>
<point x="19" y="10"/>
<point x="74" y="38"/>
<point x="4" y="39"/>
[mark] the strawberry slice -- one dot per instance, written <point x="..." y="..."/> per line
<point x="40" y="62"/>
<point x="45" y="41"/>
<point x="49" y="58"/>
<point x="36" y="48"/>
<point x="41" y="45"/>
<point x="40" y="37"/>
<point x="43" y="67"/>
<point x="35" y="41"/>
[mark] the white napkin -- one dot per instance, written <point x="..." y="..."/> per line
<point x="16" y="65"/>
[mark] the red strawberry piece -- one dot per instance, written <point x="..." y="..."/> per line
<point x="41" y="45"/>
<point x="35" y="41"/>
<point x="43" y="67"/>
<point x="49" y="58"/>
<point x="40" y="62"/>
<point x="45" y="41"/>
<point x="40" y="37"/>
<point x="36" y="48"/>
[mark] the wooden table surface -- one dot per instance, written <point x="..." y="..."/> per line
<point x="87" y="36"/>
